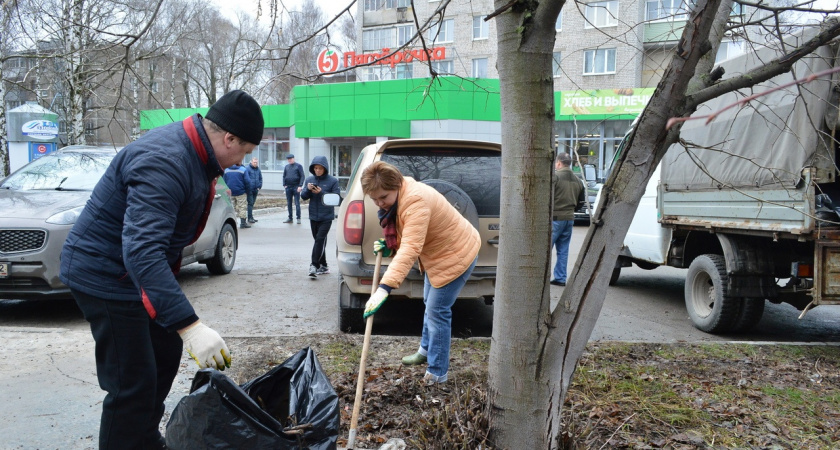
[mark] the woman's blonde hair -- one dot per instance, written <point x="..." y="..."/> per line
<point x="381" y="175"/>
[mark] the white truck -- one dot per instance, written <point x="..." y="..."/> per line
<point x="746" y="202"/>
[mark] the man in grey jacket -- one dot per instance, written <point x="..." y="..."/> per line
<point x="293" y="177"/>
<point x="568" y="192"/>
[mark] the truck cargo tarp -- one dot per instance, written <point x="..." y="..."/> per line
<point x="766" y="142"/>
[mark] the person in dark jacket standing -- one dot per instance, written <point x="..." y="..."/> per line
<point x="121" y="257"/>
<point x="568" y="192"/>
<point x="255" y="175"/>
<point x="293" y="177"/>
<point x="236" y="178"/>
<point x="320" y="215"/>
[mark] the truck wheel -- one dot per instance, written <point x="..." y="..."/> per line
<point x="751" y="311"/>
<point x="350" y="315"/>
<point x="616" y="272"/>
<point x="706" y="295"/>
<point x="225" y="255"/>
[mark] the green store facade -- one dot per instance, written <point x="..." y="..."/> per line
<point x="338" y="120"/>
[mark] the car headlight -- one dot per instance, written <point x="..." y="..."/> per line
<point x="66" y="217"/>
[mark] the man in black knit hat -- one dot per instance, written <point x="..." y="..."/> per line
<point x="122" y="255"/>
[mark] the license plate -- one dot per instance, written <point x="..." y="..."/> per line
<point x="5" y="268"/>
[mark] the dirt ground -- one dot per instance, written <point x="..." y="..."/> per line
<point x="677" y="396"/>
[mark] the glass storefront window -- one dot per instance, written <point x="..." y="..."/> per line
<point x="595" y="142"/>
<point x="272" y="151"/>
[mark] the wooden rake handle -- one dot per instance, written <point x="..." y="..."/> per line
<point x="360" y="382"/>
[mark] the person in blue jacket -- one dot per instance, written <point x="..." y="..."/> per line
<point x="238" y="183"/>
<point x="255" y="175"/>
<point x="320" y="215"/>
<point x="121" y="257"/>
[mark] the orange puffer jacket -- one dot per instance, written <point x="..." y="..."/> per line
<point x="431" y="230"/>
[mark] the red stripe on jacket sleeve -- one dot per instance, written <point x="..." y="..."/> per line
<point x="148" y="304"/>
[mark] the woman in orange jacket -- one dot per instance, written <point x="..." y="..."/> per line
<point x="420" y="224"/>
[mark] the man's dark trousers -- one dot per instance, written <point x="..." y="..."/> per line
<point x="252" y="198"/>
<point x="292" y="193"/>
<point x="320" y="230"/>
<point x="136" y="362"/>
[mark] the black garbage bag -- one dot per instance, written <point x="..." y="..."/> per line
<point x="293" y="406"/>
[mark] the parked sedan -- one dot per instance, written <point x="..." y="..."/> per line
<point x="41" y="201"/>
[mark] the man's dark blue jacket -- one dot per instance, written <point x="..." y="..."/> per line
<point x="146" y="208"/>
<point x="255" y="174"/>
<point x="318" y="211"/>
<point x="237" y="180"/>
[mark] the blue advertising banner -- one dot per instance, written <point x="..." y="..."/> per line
<point x="39" y="149"/>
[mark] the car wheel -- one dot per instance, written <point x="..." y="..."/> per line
<point x="707" y="299"/>
<point x="350" y="315"/>
<point x="457" y="198"/>
<point x="225" y="255"/>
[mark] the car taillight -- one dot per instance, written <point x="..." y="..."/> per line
<point x="354" y="222"/>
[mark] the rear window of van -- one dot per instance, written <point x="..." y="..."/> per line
<point x="477" y="172"/>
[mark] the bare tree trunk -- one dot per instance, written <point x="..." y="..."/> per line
<point x="517" y="390"/>
<point x="75" y="79"/>
<point x="4" y="139"/>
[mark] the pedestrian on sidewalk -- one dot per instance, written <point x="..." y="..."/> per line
<point x="121" y="257"/>
<point x="293" y="176"/>
<point x="255" y="175"/>
<point x="236" y="178"/>
<point x="321" y="216"/>
<point x="419" y="224"/>
<point x="568" y="193"/>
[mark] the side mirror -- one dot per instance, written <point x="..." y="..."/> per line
<point x="332" y="199"/>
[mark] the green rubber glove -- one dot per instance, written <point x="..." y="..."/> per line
<point x="376" y="300"/>
<point x="380" y="246"/>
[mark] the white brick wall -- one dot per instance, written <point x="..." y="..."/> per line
<point x="572" y="40"/>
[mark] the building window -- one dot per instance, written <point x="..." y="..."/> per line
<point x="479" y="28"/>
<point x="555" y="65"/>
<point x="404" y="34"/>
<point x="443" y="67"/>
<point x="479" y="68"/>
<point x="404" y="71"/>
<point x="558" y="25"/>
<point x="729" y="49"/>
<point x="601" y="14"/>
<point x="154" y="87"/>
<point x="443" y="31"/>
<point x="737" y="9"/>
<point x="372" y="5"/>
<point x="376" y="73"/>
<point x="599" y="61"/>
<point x="377" y="39"/>
<point x="666" y="10"/>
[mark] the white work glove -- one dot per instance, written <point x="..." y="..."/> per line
<point x="376" y="300"/>
<point x="206" y="347"/>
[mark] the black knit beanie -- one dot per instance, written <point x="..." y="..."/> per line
<point x="238" y="113"/>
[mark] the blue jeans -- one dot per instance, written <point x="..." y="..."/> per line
<point x="437" y="323"/>
<point x="292" y="193"/>
<point x="561" y="236"/>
